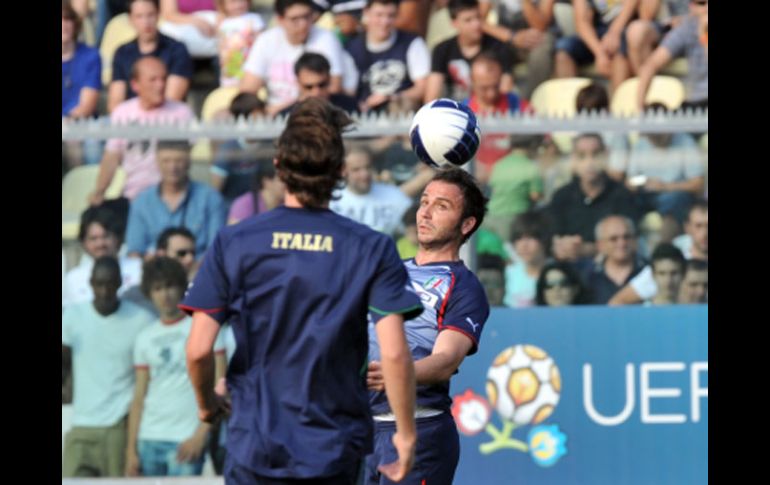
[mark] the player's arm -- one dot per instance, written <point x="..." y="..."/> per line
<point x="134" y="419"/>
<point x="201" y="366"/>
<point x="398" y="374"/>
<point x="448" y="353"/>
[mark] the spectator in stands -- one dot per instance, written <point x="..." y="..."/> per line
<point x="642" y="35"/>
<point x="271" y="61"/>
<point x="516" y="184"/>
<point x="413" y="16"/>
<point x="143" y="15"/>
<point x="236" y="34"/>
<point x="600" y="38"/>
<point x="99" y="237"/>
<point x="594" y="98"/>
<point x="98" y="340"/>
<point x="666" y="172"/>
<point x="377" y="205"/>
<point x="528" y="26"/>
<point x="530" y="236"/>
<point x="486" y="99"/>
<point x="148" y="78"/>
<point x="347" y="16"/>
<point x="695" y="284"/>
<point x="491" y="274"/>
<point x="667" y="270"/>
<point x="81" y="81"/>
<point x="688" y="39"/>
<point x="451" y="59"/>
<point x="236" y="160"/>
<point x="407" y="244"/>
<point x="175" y="201"/>
<point x="617" y="262"/>
<point x="165" y="437"/>
<point x="193" y="23"/>
<point x="560" y="285"/>
<point x="393" y="65"/>
<point x="314" y="79"/>
<point x="694" y="243"/>
<point x="174" y="242"/>
<point x="267" y="191"/>
<point x="577" y="207"/>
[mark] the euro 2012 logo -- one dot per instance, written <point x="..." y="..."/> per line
<point x="523" y="386"/>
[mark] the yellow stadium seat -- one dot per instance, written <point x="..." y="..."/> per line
<point x="217" y="100"/>
<point x="663" y="89"/>
<point x="556" y="97"/>
<point x="76" y="186"/>
<point x="117" y="32"/>
<point x="440" y="28"/>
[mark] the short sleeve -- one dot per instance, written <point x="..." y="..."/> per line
<point x="140" y="353"/>
<point x="68" y="320"/>
<point x="644" y="284"/>
<point x="391" y="290"/>
<point x="210" y="289"/>
<point x="93" y="71"/>
<point x="180" y="63"/>
<point x="467" y="310"/>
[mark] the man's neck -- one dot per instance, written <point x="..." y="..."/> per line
<point x="533" y="268"/>
<point x="170" y="189"/>
<point x="291" y="200"/>
<point x="594" y="188"/>
<point x="696" y="253"/>
<point x="67" y="50"/>
<point x="370" y="39"/>
<point x="106" y="309"/>
<point x="146" y="106"/>
<point x="437" y="254"/>
<point x="468" y="42"/>
<point x="269" y="199"/>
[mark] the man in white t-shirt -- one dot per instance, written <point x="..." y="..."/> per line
<point x="98" y="237"/>
<point x="98" y="339"/>
<point x="165" y="436"/>
<point x="271" y="60"/>
<point x="377" y="205"/>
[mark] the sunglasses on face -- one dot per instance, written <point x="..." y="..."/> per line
<point x="557" y="284"/>
<point x="184" y="252"/>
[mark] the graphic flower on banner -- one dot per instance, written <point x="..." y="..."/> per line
<point x="523" y="386"/>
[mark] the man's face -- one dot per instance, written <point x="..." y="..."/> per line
<point x="699" y="7"/>
<point x="165" y="297"/>
<point x="589" y="159"/>
<point x="105" y="283"/>
<point x="358" y="173"/>
<point x="697" y="226"/>
<point x="174" y="166"/>
<point x="439" y="218"/>
<point x="150" y="82"/>
<point x="100" y="242"/>
<point x="695" y="287"/>
<point x="468" y="24"/>
<point x="313" y="84"/>
<point x="182" y="249"/>
<point x="380" y="21"/>
<point x="485" y="82"/>
<point x="668" y="276"/>
<point x="297" y="21"/>
<point x="617" y="243"/>
<point x="67" y="30"/>
<point x="144" y="18"/>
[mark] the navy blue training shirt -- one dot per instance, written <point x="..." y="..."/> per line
<point x="454" y="299"/>
<point x="296" y="285"/>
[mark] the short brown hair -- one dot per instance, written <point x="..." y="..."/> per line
<point x="69" y="13"/>
<point x="310" y="151"/>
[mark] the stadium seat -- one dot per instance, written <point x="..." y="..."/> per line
<point x="440" y="28"/>
<point x="117" y="32"/>
<point x="663" y="89"/>
<point x="217" y="100"/>
<point x="77" y="184"/>
<point x="556" y="97"/>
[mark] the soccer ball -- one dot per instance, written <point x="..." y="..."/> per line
<point x="523" y="384"/>
<point x="445" y="133"/>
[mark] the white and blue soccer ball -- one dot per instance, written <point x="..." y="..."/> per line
<point x="445" y="133"/>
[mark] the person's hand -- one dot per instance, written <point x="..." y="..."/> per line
<point x="191" y="449"/>
<point x="603" y="64"/>
<point x="405" y="447"/>
<point x="217" y="407"/>
<point x="527" y="39"/>
<point x="132" y="468"/>
<point x="375" y="381"/>
<point x="375" y="100"/>
<point x="611" y="42"/>
<point x="655" y="185"/>
<point x="205" y="28"/>
<point x="96" y="198"/>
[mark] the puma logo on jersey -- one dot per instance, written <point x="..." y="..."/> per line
<point x="474" y="325"/>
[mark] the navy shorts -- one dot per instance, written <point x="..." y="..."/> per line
<point x="438" y="451"/>
<point x="235" y="474"/>
<point x="581" y="54"/>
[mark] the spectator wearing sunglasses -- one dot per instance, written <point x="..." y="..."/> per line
<point x="313" y="73"/>
<point x="617" y="261"/>
<point x="560" y="285"/>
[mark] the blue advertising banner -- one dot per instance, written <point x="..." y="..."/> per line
<point x="586" y="395"/>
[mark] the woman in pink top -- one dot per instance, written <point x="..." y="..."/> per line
<point x="192" y="22"/>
